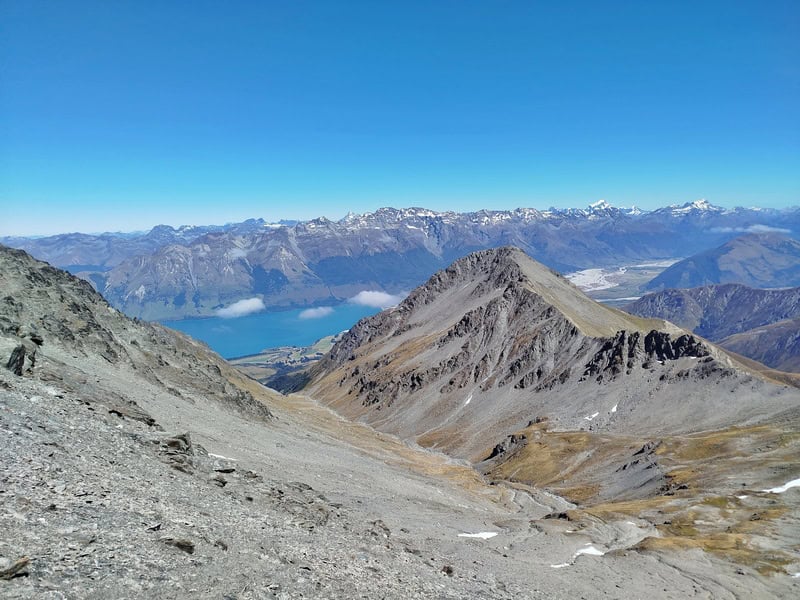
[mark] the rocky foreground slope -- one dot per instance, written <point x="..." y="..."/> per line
<point x="136" y="463"/>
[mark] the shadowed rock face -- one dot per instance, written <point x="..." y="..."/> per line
<point x="496" y="339"/>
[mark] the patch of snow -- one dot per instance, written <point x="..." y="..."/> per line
<point x="614" y="408"/>
<point x="786" y="486"/>
<point x="626" y="298"/>
<point x="742" y="497"/>
<point x="221" y="457"/>
<point x="590" y="550"/>
<point x="592" y="416"/>
<point x="468" y="400"/>
<point x="483" y="535"/>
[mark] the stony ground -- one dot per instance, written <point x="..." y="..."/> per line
<point x="210" y="504"/>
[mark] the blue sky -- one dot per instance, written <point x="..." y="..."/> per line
<point x="121" y="115"/>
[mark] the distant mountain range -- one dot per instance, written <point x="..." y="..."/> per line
<point x="756" y="259"/>
<point x="763" y="325"/>
<point x="193" y="271"/>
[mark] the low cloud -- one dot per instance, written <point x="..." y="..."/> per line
<point x="316" y="313"/>
<point x="241" y="308"/>
<point x="237" y="253"/>
<point x="751" y="229"/>
<point x="376" y="299"/>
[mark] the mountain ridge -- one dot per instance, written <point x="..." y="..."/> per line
<point x="464" y="340"/>
<point x="323" y="261"/>
<point x="765" y="260"/>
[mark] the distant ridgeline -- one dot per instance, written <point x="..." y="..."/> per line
<point x="171" y="273"/>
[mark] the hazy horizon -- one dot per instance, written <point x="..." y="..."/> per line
<point x="124" y="115"/>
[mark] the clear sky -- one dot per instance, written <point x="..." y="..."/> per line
<point x="120" y="115"/>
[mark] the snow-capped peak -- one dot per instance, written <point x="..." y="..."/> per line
<point x="600" y="205"/>
<point x="701" y="205"/>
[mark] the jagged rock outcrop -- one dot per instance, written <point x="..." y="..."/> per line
<point x="627" y="350"/>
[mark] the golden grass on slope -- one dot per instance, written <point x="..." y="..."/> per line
<point x="734" y="547"/>
<point x="563" y="461"/>
<point x="699" y="506"/>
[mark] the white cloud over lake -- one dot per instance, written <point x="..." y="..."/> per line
<point x="376" y="299"/>
<point x="241" y="308"/>
<point x="316" y="313"/>
<point x="751" y="229"/>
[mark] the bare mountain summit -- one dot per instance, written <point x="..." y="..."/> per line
<point x="498" y="340"/>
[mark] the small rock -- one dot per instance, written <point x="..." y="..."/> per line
<point x="379" y="529"/>
<point x="18" y="569"/>
<point x="447" y="570"/>
<point x="180" y="543"/>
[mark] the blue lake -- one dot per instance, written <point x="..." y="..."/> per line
<point x="254" y="333"/>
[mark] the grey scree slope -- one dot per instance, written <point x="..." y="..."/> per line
<point x="135" y="463"/>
